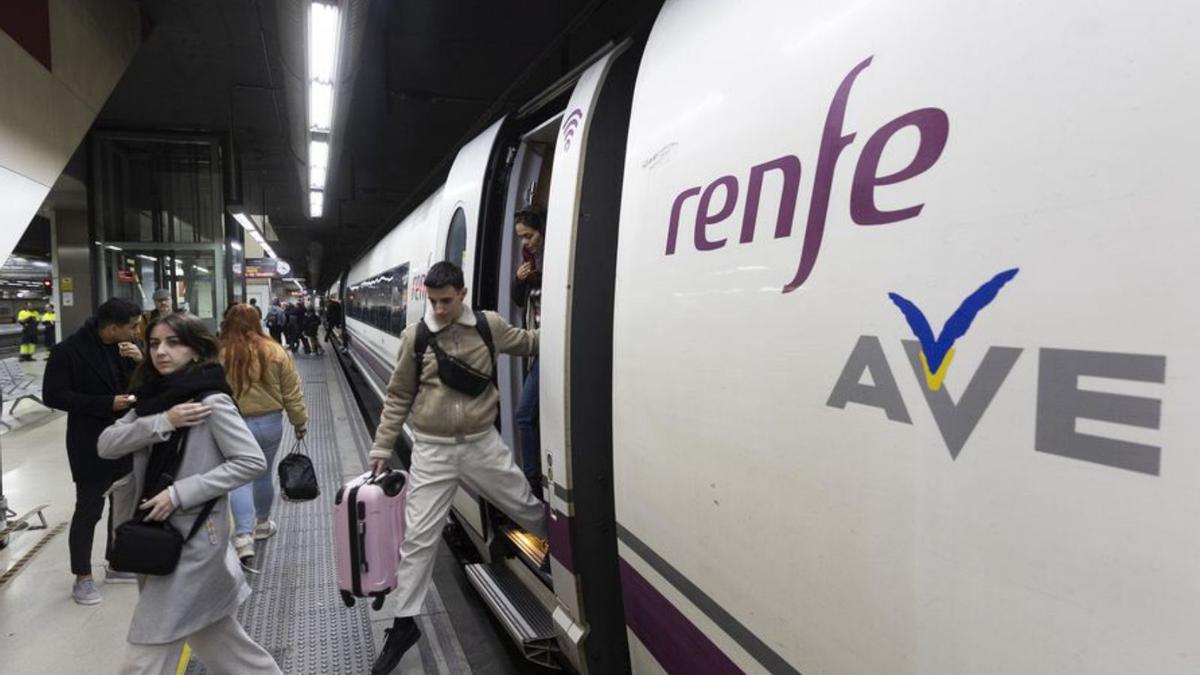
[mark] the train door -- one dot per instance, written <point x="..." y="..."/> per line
<point x="538" y="161"/>
<point x="576" y="362"/>
<point x="461" y="214"/>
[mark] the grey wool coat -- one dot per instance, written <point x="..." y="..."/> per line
<point x="219" y="455"/>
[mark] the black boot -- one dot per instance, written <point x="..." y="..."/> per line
<point x="400" y="637"/>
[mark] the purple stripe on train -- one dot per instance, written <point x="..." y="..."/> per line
<point x="676" y="643"/>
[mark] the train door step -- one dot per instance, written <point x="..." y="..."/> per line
<point x="523" y="617"/>
<point x="531" y="551"/>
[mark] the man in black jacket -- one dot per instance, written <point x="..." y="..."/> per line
<point x="86" y="376"/>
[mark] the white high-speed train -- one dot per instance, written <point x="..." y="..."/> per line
<point x="868" y="344"/>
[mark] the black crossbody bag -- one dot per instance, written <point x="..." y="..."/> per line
<point x="148" y="547"/>
<point x="452" y="371"/>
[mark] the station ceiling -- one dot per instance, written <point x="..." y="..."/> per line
<point x="427" y="75"/>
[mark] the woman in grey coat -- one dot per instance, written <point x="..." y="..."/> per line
<point x="183" y="404"/>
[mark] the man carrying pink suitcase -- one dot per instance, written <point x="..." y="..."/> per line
<point x="444" y="385"/>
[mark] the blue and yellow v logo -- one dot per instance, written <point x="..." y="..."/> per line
<point x="936" y="353"/>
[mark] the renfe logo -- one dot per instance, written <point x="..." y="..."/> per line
<point x="1060" y="400"/>
<point x="933" y="126"/>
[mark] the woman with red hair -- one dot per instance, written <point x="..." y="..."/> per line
<point x="265" y="384"/>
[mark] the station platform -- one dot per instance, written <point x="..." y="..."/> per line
<point x="295" y="611"/>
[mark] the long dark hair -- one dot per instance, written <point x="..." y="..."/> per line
<point x="191" y="332"/>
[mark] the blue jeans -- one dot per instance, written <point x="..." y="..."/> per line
<point x="254" y="498"/>
<point x="527" y="427"/>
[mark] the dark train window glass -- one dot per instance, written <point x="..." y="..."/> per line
<point x="381" y="301"/>
<point x="456" y="238"/>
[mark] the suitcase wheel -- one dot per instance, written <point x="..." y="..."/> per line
<point x="348" y="598"/>
<point x="378" y="604"/>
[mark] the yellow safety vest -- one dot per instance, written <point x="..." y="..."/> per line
<point x="27" y="314"/>
<point x="49" y="317"/>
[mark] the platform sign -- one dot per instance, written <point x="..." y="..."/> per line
<point x="66" y="284"/>
<point x="267" y="268"/>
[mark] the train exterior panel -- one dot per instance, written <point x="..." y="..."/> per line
<point x="899" y="360"/>
<point x="902" y="371"/>
<point x="390" y="277"/>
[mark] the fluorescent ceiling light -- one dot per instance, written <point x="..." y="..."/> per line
<point x="236" y="246"/>
<point x="322" y="41"/>
<point x="39" y="263"/>
<point x="316" y="203"/>
<point x="316" y="178"/>
<point x="257" y="237"/>
<point x="320" y="105"/>
<point x="245" y="221"/>
<point x="318" y="154"/>
<point x="147" y="257"/>
<point x="113" y="248"/>
<point x="202" y="270"/>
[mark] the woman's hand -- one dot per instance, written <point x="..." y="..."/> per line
<point x="377" y="466"/>
<point x="160" y="505"/>
<point x="524" y="271"/>
<point x="300" y="431"/>
<point x="188" y="414"/>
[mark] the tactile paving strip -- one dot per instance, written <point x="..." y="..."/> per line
<point x="296" y="612"/>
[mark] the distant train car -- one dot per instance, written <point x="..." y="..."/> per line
<point x="867" y="340"/>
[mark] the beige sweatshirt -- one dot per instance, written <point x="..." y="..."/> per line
<point x="440" y="414"/>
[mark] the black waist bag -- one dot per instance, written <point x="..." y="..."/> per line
<point x="297" y="477"/>
<point x="151" y="547"/>
<point x="460" y="375"/>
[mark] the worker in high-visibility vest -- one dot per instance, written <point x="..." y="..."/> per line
<point x="28" y="318"/>
<point x="48" y="320"/>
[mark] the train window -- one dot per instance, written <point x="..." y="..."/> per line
<point x="381" y="301"/>
<point x="456" y="238"/>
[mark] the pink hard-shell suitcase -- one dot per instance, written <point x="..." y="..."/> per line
<point x="369" y="528"/>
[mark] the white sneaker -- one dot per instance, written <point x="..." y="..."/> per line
<point x="265" y="529"/>
<point x="244" y="545"/>
<point x="84" y="592"/>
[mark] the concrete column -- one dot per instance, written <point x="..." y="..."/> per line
<point x="72" y="252"/>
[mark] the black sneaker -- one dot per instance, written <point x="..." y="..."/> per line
<point x="400" y="637"/>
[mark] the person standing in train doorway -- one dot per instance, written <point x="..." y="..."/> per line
<point x="527" y="294"/>
<point x="444" y="386"/>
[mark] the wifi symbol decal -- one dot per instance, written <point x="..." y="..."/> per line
<point x="570" y="126"/>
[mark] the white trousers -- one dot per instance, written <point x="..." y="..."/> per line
<point x="487" y="466"/>
<point x="223" y="647"/>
